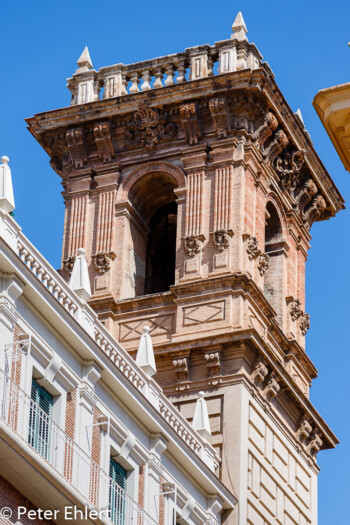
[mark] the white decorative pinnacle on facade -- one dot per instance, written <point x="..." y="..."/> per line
<point x="239" y="29"/>
<point x="7" y="201"/>
<point x="200" y="420"/>
<point x="145" y="355"/>
<point x="79" y="281"/>
<point x="84" y="61"/>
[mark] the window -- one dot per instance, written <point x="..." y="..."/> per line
<point x="39" y="420"/>
<point x="117" y="486"/>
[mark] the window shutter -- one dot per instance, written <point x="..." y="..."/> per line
<point x="118" y="473"/>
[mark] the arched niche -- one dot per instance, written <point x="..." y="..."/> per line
<point x="274" y="282"/>
<point x="151" y="238"/>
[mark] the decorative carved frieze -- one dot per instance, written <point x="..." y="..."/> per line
<point x="213" y="363"/>
<point x="190" y="122"/>
<point x="101" y="262"/>
<point x="276" y="146"/>
<point x="148" y="128"/>
<point x="259" y="373"/>
<point x="103" y="139"/>
<point x="252" y="248"/>
<point x="266" y="129"/>
<point x="221" y="239"/>
<point x="304" y="323"/>
<point x="263" y="263"/>
<point x="68" y="266"/>
<point x="220" y="116"/>
<point x="76" y="147"/>
<point x="192" y="244"/>
<point x="180" y="365"/>
<point x="288" y="166"/>
<point x="303" y="431"/>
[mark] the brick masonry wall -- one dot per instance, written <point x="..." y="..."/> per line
<point x="161" y="502"/>
<point x="70" y="430"/>
<point x="96" y="457"/>
<point x="11" y="498"/>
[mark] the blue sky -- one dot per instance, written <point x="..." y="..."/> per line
<point x="305" y="43"/>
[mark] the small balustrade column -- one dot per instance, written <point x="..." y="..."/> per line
<point x="134" y="77"/>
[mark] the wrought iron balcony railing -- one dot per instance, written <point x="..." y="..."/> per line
<point x="38" y="431"/>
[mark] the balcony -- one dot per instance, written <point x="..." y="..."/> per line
<point x="39" y="432"/>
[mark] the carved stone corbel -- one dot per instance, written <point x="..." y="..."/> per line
<point x="271" y="387"/>
<point x="305" y="195"/>
<point x="192" y="244"/>
<point x="213" y="363"/>
<point x="103" y="139"/>
<point x="180" y="365"/>
<point x="295" y="309"/>
<point x="220" y="116"/>
<point x="76" y="147"/>
<point x="316" y="209"/>
<point x="279" y="142"/>
<point x="266" y="129"/>
<point x="190" y="122"/>
<point x="260" y="373"/>
<point x="314" y="444"/>
<point x="252" y="248"/>
<point x="221" y="239"/>
<point x="102" y="261"/>
<point x="263" y="263"/>
<point x="303" y="431"/>
<point x="304" y="323"/>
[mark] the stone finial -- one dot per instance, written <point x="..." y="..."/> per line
<point x="145" y="355"/>
<point x="84" y="61"/>
<point x="200" y="420"/>
<point x="79" y="281"/>
<point x="7" y="201"/>
<point x="300" y="117"/>
<point x="239" y="29"/>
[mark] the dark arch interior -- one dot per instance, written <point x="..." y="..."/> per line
<point x="273" y="230"/>
<point x="161" y="248"/>
<point x="273" y="285"/>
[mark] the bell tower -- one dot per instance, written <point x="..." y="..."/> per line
<point x="192" y="187"/>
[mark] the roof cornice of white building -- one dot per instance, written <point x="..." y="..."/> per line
<point x="71" y="316"/>
<point x="333" y="107"/>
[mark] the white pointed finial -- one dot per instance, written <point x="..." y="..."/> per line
<point x="7" y="201"/>
<point x="79" y="281"/>
<point x="200" y="420"/>
<point x="84" y="61"/>
<point x="145" y="355"/>
<point x="300" y="117"/>
<point x="239" y="29"/>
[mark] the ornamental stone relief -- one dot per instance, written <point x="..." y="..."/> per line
<point x="148" y="127"/>
<point x="190" y="122"/>
<point x="101" y="262"/>
<point x="220" y="116"/>
<point x="288" y="166"/>
<point x="221" y="239"/>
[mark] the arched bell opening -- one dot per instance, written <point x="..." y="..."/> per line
<point x="274" y="248"/>
<point x="161" y="250"/>
<point x="154" y="245"/>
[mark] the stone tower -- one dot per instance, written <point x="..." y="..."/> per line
<point x="192" y="186"/>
